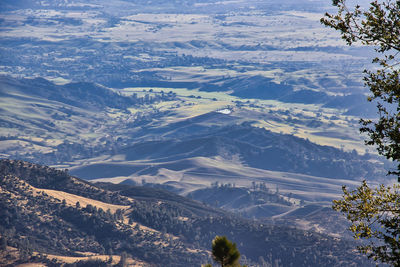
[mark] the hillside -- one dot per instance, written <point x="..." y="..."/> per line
<point x="255" y="203"/>
<point x="257" y="148"/>
<point x="271" y="206"/>
<point x="149" y="226"/>
<point x="180" y="138"/>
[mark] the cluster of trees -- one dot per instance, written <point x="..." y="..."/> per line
<point x="239" y="199"/>
<point x="51" y="178"/>
<point x="153" y="97"/>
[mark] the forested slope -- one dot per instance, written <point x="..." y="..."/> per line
<point x="47" y="211"/>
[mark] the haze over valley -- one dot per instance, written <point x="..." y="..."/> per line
<point x="246" y="111"/>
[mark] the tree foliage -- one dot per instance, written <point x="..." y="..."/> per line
<point x="375" y="213"/>
<point x="375" y="216"/>
<point x="225" y="252"/>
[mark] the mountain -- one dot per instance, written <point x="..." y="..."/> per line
<point x="48" y="216"/>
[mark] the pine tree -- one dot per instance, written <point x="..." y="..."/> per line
<point x="225" y="252"/>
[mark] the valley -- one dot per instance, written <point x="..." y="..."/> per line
<point x="183" y="139"/>
<point x="243" y="110"/>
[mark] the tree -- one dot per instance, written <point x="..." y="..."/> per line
<point x="225" y="252"/>
<point x="375" y="213"/>
<point x="3" y="243"/>
<point x="123" y="260"/>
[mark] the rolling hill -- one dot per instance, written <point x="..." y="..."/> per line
<point x="257" y="148"/>
<point x="41" y="223"/>
<point x="181" y="141"/>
